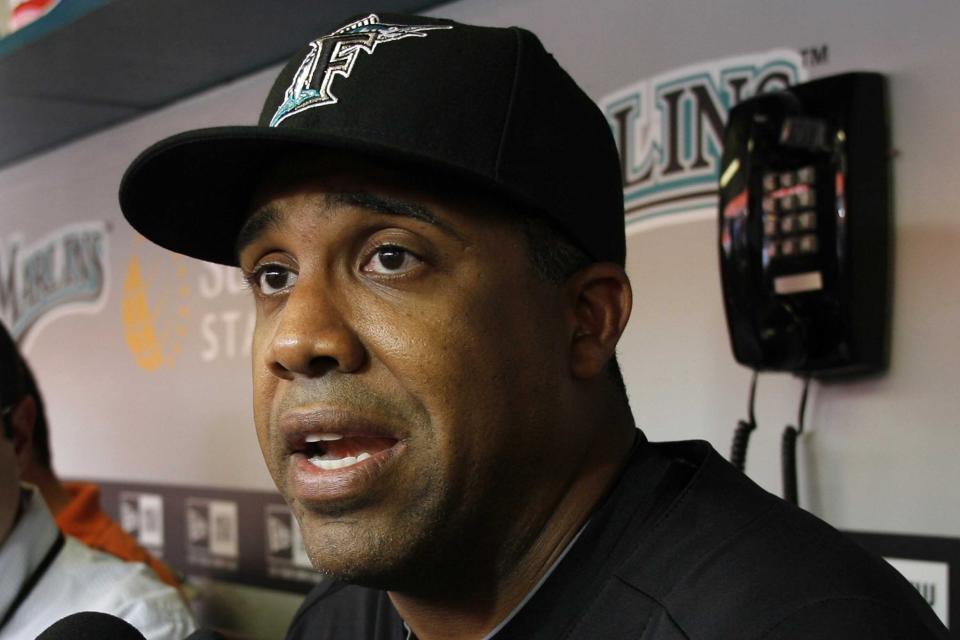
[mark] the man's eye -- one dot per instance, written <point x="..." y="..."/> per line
<point x="272" y="279"/>
<point x="391" y="260"/>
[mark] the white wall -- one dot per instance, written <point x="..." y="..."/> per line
<point x="880" y="455"/>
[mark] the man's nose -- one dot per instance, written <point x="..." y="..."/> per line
<point x="313" y="336"/>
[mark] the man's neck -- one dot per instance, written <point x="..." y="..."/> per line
<point x="471" y="609"/>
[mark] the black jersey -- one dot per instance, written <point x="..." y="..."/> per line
<point x="684" y="547"/>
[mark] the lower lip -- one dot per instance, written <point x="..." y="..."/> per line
<point x="312" y="485"/>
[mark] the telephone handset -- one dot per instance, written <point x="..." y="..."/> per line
<point x="804" y="227"/>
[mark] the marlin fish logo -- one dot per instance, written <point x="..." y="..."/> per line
<point x="338" y="52"/>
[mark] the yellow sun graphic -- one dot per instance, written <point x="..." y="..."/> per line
<point x="155" y="309"/>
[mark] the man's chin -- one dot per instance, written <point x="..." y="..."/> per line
<point x="347" y="551"/>
<point x="368" y="557"/>
<point x="374" y="574"/>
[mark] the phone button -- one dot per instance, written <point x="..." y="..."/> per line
<point x="788" y="179"/>
<point x="806" y="175"/>
<point x="808" y="243"/>
<point x="807" y="221"/>
<point x="769" y="182"/>
<point x="769" y="226"/>
<point x="772" y="249"/>
<point x="806" y="197"/>
<point x="788" y="224"/>
<point x="788" y="247"/>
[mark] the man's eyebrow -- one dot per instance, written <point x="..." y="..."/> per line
<point x="269" y="217"/>
<point x="391" y="206"/>
<point x="259" y="221"/>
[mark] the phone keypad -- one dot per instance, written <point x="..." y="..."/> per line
<point x="789" y="217"/>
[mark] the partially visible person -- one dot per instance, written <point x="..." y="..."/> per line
<point x="75" y="505"/>
<point x="47" y="575"/>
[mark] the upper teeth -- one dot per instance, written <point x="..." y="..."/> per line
<point x="338" y="463"/>
<point x="323" y="437"/>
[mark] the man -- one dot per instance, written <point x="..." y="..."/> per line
<point x="47" y="576"/>
<point x="75" y="505"/>
<point x="430" y="218"/>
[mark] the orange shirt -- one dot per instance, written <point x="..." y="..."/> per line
<point x="85" y="520"/>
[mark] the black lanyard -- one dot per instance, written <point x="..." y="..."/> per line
<point x="34" y="578"/>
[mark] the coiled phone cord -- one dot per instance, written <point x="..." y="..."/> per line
<point x="788" y="449"/>
<point x="741" y="437"/>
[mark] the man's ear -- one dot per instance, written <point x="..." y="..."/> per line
<point x="600" y="300"/>
<point x="24" y="418"/>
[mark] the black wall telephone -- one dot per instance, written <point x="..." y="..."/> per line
<point x="804" y="227"/>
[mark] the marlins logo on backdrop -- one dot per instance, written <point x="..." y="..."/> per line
<point x="62" y="273"/>
<point x="669" y="130"/>
<point x="334" y="55"/>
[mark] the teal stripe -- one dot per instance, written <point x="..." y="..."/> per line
<point x="83" y="292"/>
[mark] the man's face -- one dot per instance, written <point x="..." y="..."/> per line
<point x="410" y="372"/>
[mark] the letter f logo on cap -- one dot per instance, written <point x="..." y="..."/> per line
<point x="340" y="49"/>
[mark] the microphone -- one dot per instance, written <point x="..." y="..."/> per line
<point x="205" y="634"/>
<point x="91" y="625"/>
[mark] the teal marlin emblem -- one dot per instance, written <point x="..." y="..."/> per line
<point x="339" y="50"/>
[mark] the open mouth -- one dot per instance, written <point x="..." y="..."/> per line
<point x="331" y="451"/>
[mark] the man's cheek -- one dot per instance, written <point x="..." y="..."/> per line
<point x="260" y="342"/>
<point x="264" y="392"/>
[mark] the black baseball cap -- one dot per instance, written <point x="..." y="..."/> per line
<point x="486" y="106"/>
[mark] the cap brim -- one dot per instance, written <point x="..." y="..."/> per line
<point x="190" y="193"/>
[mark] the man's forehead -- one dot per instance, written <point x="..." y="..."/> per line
<point x="374" y="186"/>
<point x="271" y="216"/>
